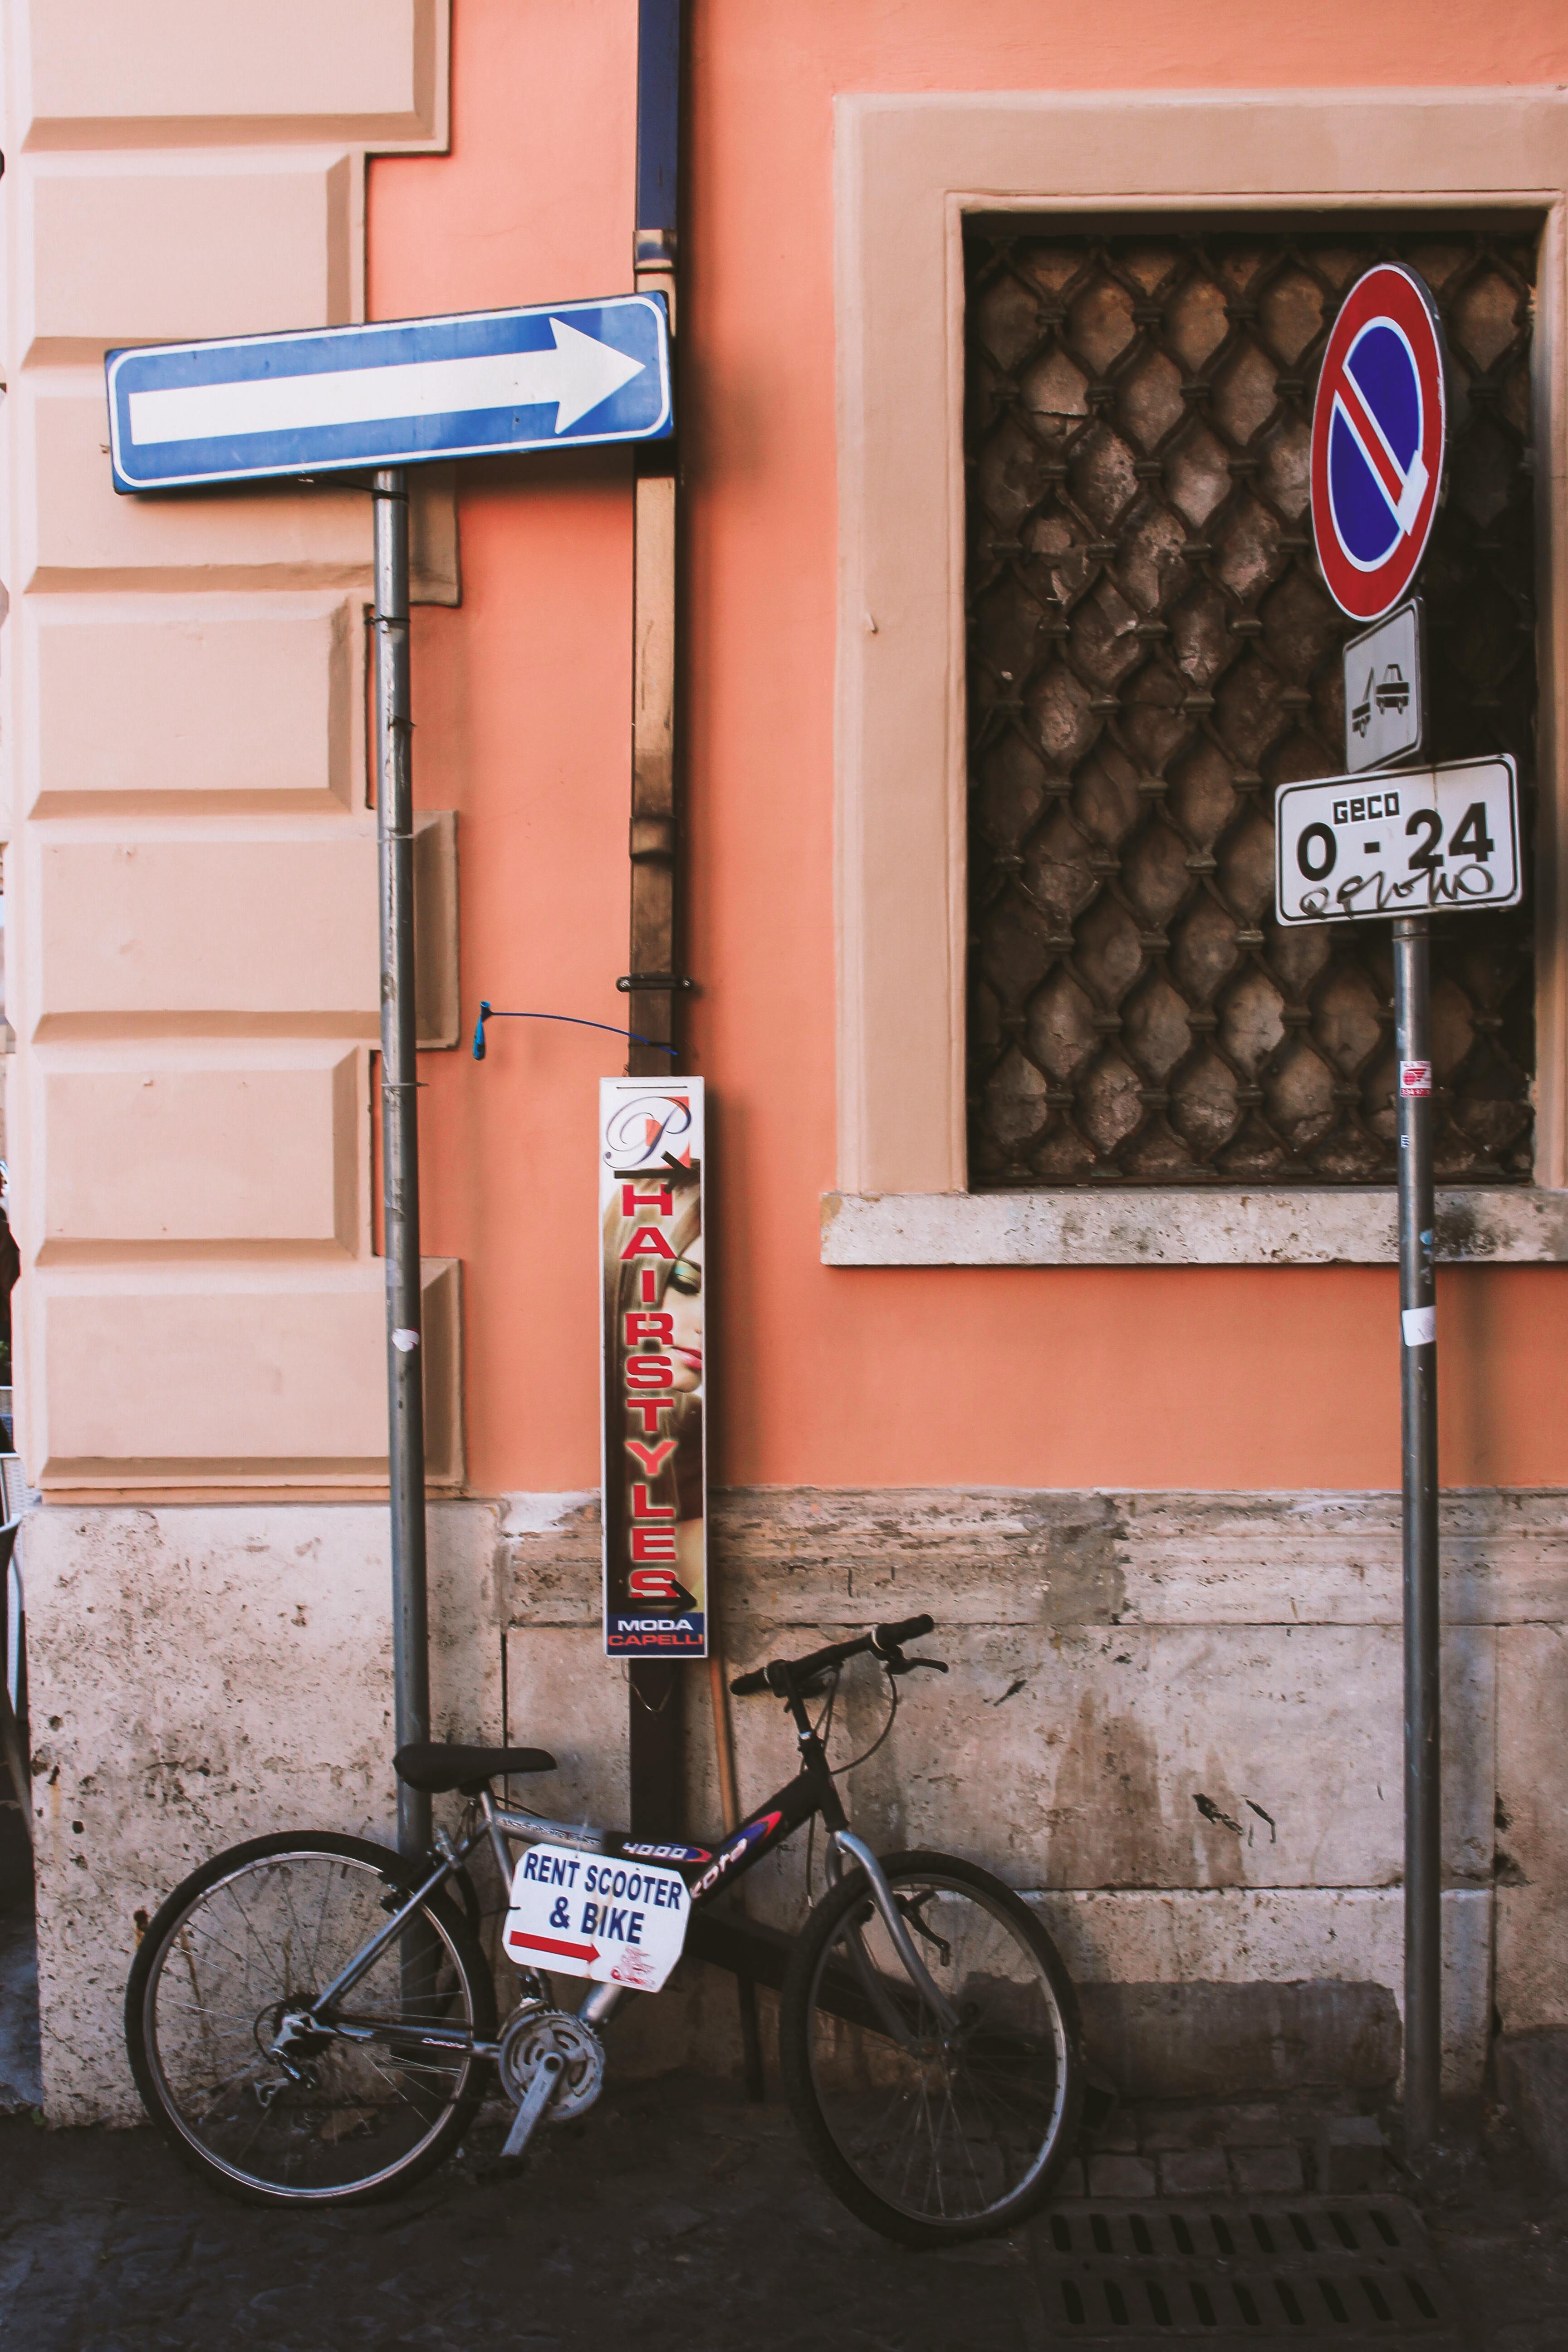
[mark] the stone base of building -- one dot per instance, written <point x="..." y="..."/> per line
<point x="1532" y="2081"/>
<point x="1174" y="1721"/>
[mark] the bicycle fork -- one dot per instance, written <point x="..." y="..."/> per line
<point x="896" y="1927"/>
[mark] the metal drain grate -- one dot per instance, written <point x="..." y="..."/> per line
<point x="1346" y="2267"/>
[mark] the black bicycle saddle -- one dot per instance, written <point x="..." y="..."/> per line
<point x="431" y="1765"/>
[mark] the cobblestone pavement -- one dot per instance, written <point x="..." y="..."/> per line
<point x="670" y="2217"/>
<point x="676" y="2217"/>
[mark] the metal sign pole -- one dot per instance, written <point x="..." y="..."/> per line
<point x="400" y="1143"/>
<point x="1418" y="1353"/>
<point x="1379" y="441"/>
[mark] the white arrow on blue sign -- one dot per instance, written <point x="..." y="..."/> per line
<point x="478" y="383"/>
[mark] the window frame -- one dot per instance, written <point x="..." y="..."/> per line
<point x="908" y="172"/>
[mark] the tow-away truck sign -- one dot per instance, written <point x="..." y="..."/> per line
<point x="590" y="1914"/>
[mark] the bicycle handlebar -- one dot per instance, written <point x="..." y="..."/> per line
<point x="907" y="1629"/>
<point x="885" y="1641"/>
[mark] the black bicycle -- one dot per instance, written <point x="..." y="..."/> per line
<point x="311" y="2021"/>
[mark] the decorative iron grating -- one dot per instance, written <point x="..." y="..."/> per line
<point x="1152" y="652"/>
<point x="1349" y="2268"/>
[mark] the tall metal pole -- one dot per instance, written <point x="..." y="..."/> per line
<point x="400" y="1142"/>
<point x="1419" y="1352"/>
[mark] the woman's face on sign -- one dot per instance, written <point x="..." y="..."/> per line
<point x="683" y="1305"/>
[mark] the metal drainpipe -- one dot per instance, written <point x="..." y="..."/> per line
<point x="657" y="1686"/>
<point x="400" y="1142"/>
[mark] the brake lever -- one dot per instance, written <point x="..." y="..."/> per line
<point x="902" y="1666"/>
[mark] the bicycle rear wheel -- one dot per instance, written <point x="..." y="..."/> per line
<point x="260" y="1930"/>
<point x="932" y="2134"/>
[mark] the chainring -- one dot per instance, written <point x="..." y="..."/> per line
<point x="529" y="2035"/>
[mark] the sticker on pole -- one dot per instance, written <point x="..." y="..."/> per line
<point x="1379" y="423"/>
<point x="1415" y="841"/>
<point x="588" y="1915"/>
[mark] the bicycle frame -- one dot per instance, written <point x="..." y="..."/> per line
<point x="812" y="1791"/>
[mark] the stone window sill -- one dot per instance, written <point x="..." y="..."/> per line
<point x="1348" y="1226"/>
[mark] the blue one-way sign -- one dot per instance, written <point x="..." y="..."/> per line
<point x="477" y="384"/>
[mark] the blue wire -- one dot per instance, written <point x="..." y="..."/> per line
<point x="488" y="1013"/>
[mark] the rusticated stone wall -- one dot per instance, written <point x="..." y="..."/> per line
<point x="1172" y="1720"/>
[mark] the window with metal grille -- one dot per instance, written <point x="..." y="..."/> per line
<point x="1152" y="652"/>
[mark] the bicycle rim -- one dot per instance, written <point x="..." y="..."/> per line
<point x="948" y="2131"/>
<point x="352" y="2116"/>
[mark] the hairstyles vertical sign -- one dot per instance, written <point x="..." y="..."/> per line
<point x="656" y="1464"/>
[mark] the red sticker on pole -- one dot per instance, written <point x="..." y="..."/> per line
<point x="1379" y="423"/>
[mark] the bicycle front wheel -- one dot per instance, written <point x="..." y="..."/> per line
<point x="932" y="2129"/>
<point x="261" y="1931"/>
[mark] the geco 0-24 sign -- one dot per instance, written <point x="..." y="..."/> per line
<point x="1411" y="841"/>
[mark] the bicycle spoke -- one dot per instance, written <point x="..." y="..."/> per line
<point x="241" y="2074"/>
<point x="233" y="1894"/>
<point x="209" y="1937"/>
<point x="327" y="1877"/>
<point x="378" y="2069"/>
<point x="264" y="2116"/>
<point x="299" y="1934"/>
<point x="202" y="2009"/>
<point x="965" y="2148"/>
<point x="923" y="2141"/>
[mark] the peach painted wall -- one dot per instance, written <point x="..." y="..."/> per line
<point x="1218" y="1378"/>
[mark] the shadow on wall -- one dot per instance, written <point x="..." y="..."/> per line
<point x="1221" y="2040"/>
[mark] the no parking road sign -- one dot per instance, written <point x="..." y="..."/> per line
<point x="1378" y="426"/>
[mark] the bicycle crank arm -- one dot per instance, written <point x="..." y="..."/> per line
<point x="893" y="1920"/>
<point x="540" y="2092"/>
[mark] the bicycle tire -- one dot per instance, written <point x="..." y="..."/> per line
<point x="1010" y="2084"/>
<point x="358" y="2125"/>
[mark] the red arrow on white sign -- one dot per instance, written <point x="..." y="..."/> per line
<point x="587" y="1953"/>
